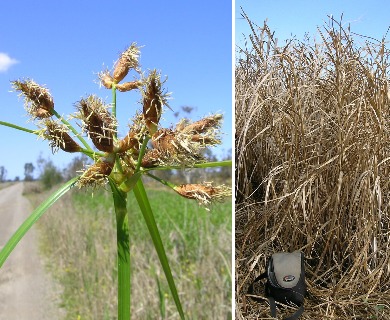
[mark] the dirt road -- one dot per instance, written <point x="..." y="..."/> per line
<point x="26" y="291"/>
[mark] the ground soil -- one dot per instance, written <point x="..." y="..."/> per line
<point x="26" y="290"/>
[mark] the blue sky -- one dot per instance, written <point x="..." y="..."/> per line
<point x="64" y="44"/>
<point x="295" y="18"/>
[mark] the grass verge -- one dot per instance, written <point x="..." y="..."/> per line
<point x="78" y="237"/>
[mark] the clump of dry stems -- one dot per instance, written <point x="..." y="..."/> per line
<point x="313" y="168"/>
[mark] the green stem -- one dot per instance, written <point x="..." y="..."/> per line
<point x="123" y="246"/>
<point x="164" y="182"/>
<point x="130" y="182"/>
<point x="74" y="131"/>
<point x="214" y="164"/>
<point x="141" y="153"/>
<point x="14" y="126"/>
<point x="92" y="154"/>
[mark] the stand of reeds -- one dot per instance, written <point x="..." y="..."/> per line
<point x="313" y="168"/>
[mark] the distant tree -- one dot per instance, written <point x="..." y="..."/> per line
<point x="50" y="175"/>
<point x="3" y="173"/>
<point x="17" y="178"/>
<point x="28" y="171"/>
<point x="41" y="162"/>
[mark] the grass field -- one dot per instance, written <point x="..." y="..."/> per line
<point x="78" y="237"/>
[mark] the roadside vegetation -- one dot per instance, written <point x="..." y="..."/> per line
<point x="313" y="168"/>
<point x="78" y="238"/>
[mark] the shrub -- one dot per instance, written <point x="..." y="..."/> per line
<point x="50" y="175"/>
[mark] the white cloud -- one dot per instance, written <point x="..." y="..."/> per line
<point x="6" y="62"/>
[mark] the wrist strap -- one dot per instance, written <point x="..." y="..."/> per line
<point x="294" y="316"/>
<point x="271" y="300"/>
<point x="250" y="289"/>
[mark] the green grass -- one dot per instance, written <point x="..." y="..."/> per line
<point x="78" y="236"/>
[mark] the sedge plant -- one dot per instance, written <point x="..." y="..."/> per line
<point x="121" y="163"/>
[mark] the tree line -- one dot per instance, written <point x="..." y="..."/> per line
<point x="49" y="174"/>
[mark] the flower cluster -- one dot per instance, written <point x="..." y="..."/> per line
<point x="119" y="159"/>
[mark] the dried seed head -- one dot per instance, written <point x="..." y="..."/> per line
<point x="205" y="132"/>
<point x="37" y="99"/>
<point x="203" y="193"/>
<point x="204" y="125"/>
<point x="127" y="86"/>
<point x="58" y="136"/>
<point x="152" y="158"/>
<point x="153" y="101"/>
<point x="105" y="79"/>
<point x="204" y="140"/>
<point x="98" y="122"/>
<point x="127" y="60"/>
<point x="176" y="148"/>
<point x="96" y="174"/>
<point x="165" y="140"/>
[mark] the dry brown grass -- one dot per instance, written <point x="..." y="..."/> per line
<point x="313" y="168"/>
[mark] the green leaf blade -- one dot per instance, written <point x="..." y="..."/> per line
<point x="142" y="199"/>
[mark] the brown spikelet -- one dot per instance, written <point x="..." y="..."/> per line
<point x="129" y="142"/>
<point x="153" y="100"/>
<point x="165" y="140"/>
<point x="127" y="60"/>
<point x="59" y="138"/>
<point x="203" y="193"/>
<point x="203" y="125"/>
<point x="127" y="86"/>
<point x="98" y="122"/>
<point x="38" y="101"/>
<point x="152" y="158"/>
<point x="204" y="140"/>
<point x="191" y="191"/>
<point x="96" y="174"/>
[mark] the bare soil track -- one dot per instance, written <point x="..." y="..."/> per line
<point x="26" y="291"/>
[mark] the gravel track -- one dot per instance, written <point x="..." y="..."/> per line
<point x="26" y="291"/>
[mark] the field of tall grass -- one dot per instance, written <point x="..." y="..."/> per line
<point x="313" y="168"/>
<point x="78" y="238"/>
